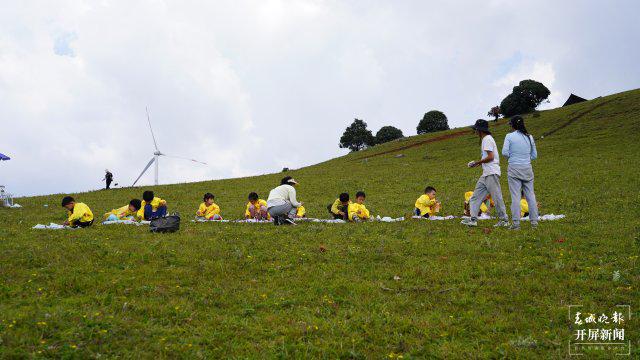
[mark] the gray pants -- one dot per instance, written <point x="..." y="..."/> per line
<point x="521" y="180"/>
<point x="486" y="185"/>
<point x="285" y="209"/>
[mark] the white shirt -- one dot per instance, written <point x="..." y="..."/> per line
<point x="493" y="167"/>
<point x="282" y="193"/>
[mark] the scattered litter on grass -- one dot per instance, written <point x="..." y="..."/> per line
<point x="616" y="275"/>
<point x="126" y="222"/>
<point x="448" y="217"/>
<point x="396" y="277"/>
<point x="52" y="226"/>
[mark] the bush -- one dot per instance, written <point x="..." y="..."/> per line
<point x="357" y="137"/>
<point x="433" y="121"/>
<point x="388" y="133"/>
<point x="495" y="112"/>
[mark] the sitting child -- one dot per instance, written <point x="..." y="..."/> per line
<point x="152" y="207"/>
<point x="301" y="212"/>
<point x="79" y="214"/>
<point x="485" y="207"/>
<point x="357" y="211"/>
<point x="127" y="212"/>
<point x="208" y="210"/>
<point x="256" y="208"/>
<point x="524" y="206"/>
<point x="427" y="205"/>
<point x="340" y="208"/>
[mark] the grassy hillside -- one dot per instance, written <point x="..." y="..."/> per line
<point x="253" y="291"/>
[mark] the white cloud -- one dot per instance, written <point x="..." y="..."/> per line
<point x="254" y="86"/>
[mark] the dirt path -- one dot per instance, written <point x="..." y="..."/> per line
<point x="434" y="139"/>
<point x="576" y="118"/>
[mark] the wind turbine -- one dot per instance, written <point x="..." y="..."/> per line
<point x="157" y="154"/>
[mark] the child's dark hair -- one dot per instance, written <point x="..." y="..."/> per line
<point x="285" y="180"/>
<point x="253" y="196"/>
<point x="208" y="196"/>
<point x="136" y="203"/>
<point x="344" y="197"/>
<point x="429" y="189"/>
<point x="360" y="194"/>
<point x="148" y="195"/>
<point x="67" y="200"/>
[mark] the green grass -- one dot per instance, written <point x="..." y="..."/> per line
<point x="260" y="291"/>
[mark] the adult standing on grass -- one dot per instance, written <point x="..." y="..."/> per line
<point x="108" y="178"/>
<point x="520" y="148"/>
<point x="282" y="204"/>
<point x="489" y="182"/>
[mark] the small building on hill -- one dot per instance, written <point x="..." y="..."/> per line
<point x="573" y="99"/>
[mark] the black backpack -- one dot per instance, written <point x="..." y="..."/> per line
<point x="167" y="224"/>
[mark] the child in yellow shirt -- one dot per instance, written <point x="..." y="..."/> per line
<point x="256" y="208"/>
<point x="78" y="214"/>
<point x="357" y="211"/>
<point x="127" y="212"/>
<point x="152" y="207"/>
<point x="427" y="205"/>
<point x="485" y="207"/>
<point x="208" y="210"/>
<point x="340" y="208"/>
<point x="301" y="212"/>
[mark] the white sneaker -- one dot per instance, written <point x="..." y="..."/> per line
<point x="469" y="222"/>
<point x="502" y="223"/>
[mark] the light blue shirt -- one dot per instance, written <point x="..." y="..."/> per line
<point x="519" y="149"/>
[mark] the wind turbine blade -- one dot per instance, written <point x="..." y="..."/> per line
<point x="150" y="128"/>
<point x="145" y="169"/>
<point x="184" y="158"/>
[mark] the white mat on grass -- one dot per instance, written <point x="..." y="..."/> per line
<point x="448" y="217"/>
<point x="51" y="226"/>
<point x="546" y="217"/>
<point x="126" y="222"/>
<point x="15" y="206"/>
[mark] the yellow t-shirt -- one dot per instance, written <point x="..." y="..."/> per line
<point x="122" y="213"/>
<point x="524" y="207"/>
<point x="334" y="207"/>
<point x="426" y="205"/>
<point x="260" y="204"/>
<point x="155" y="203"/>
<point x="208" y="211"/>
<point x="81" y="213"/>
<point x="354" y="208"/>
<point x="301" y="212"/>
<point x="483" y="206"/>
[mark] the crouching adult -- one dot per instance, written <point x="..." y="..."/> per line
<point x="282" y="204"/>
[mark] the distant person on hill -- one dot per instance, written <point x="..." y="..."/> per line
<point x="520" y="148"/>
<point x="340" y="208"/>
<point x="427" y="205"/>
<point x="357" y="211"/>
<point x="485" y="207"/>
<point x="79" y="214"/>
<point x="282" y="204"/>
<point x="152" y="207"/>
<point x="108" y="179"/>
<point x="127" y="212"/>
<point x="256" y="208"/>
<point x="208" y="210"/>
<point x="489" y="182"/>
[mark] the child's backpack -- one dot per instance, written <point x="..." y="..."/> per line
<point x="166" y="224"/>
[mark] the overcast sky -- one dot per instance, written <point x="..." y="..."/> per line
<point x="253" y="86"/>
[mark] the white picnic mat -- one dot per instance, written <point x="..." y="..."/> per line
<point x="51" y="226"/>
